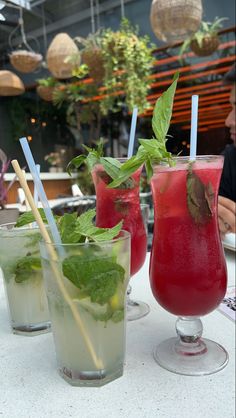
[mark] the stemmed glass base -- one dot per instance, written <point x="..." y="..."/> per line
<point x="135" y="309"/>
<point x="189" y="354"/>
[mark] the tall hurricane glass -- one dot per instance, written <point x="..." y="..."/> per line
<point x="187" y="266"/>
<point x="123" y="203"/>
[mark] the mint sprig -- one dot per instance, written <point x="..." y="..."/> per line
<point x="152" y="151"/>
<point x="75" y="229"/>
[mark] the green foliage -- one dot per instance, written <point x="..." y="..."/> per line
<point x="26" y="268"/>
<point x="152" y="151"/>
<point x="95" y="277"/>
<point x="75" y="229"/>
<point x="128" y="63"/>
<point x="47" y="82"/>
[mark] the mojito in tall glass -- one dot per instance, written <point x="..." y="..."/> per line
<point x="86" y="288"/>
<point x="23" y="280"/>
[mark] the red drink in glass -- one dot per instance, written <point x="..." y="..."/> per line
<point x="187" y="269"/>
<point x="122" y="203"/>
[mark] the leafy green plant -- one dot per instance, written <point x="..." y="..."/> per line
<point x="92" y="55"/>
<point x="47" y="82"/>
<point x="208" y="31"/>
<point x="128" y="64"/>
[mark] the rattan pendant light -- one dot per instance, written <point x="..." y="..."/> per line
<point x="61" y="47"/>
<point x="10" y="84"/>
<point x="175" y="20"/>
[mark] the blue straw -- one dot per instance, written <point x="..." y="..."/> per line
<point x="132" y="132"/>
<point x="194" y="121"/>
<point x="39" y="186"/>
<point x="36" y="196"/>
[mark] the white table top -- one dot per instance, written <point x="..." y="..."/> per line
<point x="31" y="388"/>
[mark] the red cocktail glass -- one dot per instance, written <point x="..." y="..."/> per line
<point x="123" y="203"/>
<point x="187" y="266"/>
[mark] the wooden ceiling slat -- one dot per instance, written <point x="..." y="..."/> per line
<point x="194" y="67"/>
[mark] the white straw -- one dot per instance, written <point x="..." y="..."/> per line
<point x="132" y="132"/>
<point x="194" y="121"/>
<point x="39" y="186"/>
<point x="36" y="196"/>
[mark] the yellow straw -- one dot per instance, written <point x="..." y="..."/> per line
<point x="53" y="257"/>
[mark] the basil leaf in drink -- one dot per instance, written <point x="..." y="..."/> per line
<point x="199" y="198"/>
<point x="163" y="111"/>
<point x="98" y="277"/>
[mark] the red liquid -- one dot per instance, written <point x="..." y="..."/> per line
<point x="114" y="205"/>
<point x="187" y="268"/>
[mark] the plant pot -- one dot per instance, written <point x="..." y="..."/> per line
<point x="209" y="45"/>
<point x="94" y="60"/>
<point x="8" y="215"/>
<point x="45" y="92"/>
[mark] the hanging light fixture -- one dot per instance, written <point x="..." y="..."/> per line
<point x="10" y="84"/>
<point x="61" y="47"/>
<point x="175" y="20"/>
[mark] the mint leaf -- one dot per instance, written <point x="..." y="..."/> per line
<point x="26" y="268"/>
<point x="98" y="278"/>
<point x="86" y="228"/>
<point x="75" y="162"/>
<point x="67" y="229"/>
<point x="28" y="217"/>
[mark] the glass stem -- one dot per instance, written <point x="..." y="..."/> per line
<point x="189" y="330"/>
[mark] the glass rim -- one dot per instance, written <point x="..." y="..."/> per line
<point x="21" y="228"/>
<point x="125" y="236"/>
<point x="186" y="159"/>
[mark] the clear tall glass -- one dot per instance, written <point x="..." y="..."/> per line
<point x="123" y="203"/>
<point x="86" y="288"/>
<point x="187" y="266"/>
<point x="23" y="280"/>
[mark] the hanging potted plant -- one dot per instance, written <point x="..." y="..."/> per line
<point x="92" y="55"/>
<point x="128" y="62"/>
<point x="6" y="215"/>
<point x="205" y="41"/>
<point x="46" y="87"/>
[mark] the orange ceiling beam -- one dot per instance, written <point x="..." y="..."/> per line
<point x="174" y="58"/>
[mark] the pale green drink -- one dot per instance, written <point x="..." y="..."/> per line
<point x="101" y="273"/>
<point x="23" y="280"/>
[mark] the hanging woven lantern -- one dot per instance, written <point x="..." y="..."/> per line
<point x="25" y="61"/>
<point x="60" y="48"/>
<point x="10" y="84"/>
<point x="175" y="20"/>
